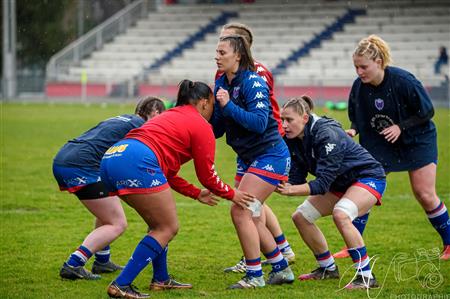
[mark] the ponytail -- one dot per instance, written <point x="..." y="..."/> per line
<point x="190" y="92"/>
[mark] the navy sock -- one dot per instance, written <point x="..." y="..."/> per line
<point x="102" y="256"/>
<point x="160" y="272"/>
<point x="145" y="251"/>
<point x="360" y="223"/>
<point x="79" y="257"/>
<point x="440" y="221"/>
<point x="277" y="260"/>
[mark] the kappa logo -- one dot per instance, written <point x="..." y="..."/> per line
<point x="259" y="95"/>
<point x="259" y="69"/>
<point x="329" y="147"/>
<point x="268" y="167"/>
<point x="253" y="76"/>
<point x="256" y="84"/>
<point x="155" y="183"/>
<point x="264" y="78"/>
<point x="260" y="105"/>
<point x="372" y="184"/>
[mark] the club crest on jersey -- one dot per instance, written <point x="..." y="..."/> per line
<point x="379" y="104"/>
<point x="236" y="92"/>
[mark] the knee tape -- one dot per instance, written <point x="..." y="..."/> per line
<point x="308" y="211"/>
<point x="255" y="207"/>
<point x="348" y="207"/>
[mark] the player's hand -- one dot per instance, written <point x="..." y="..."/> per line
<point x="242" y="198"/>
<point x="222" y="97"/>
<point x="391" y="133"/>
<point x="207" y="198"/>
<point x="284" y="188"/>
<point x="351" y="132"/>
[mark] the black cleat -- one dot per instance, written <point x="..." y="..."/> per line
<point x="73" y="273"/>
<point x="107" y="267"/>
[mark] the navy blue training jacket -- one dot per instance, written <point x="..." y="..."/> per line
<point x="86" y="151"/>
<point x="247" y="119"/>
<point x="329" y="154"/>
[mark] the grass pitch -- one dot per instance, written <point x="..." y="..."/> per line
<point x="41" y="226"/>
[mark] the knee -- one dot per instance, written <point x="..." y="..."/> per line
<point x="306" y="213"/>
<point x="344" y="212"/>
<point x="340" y="218"/>
<point x="121" y="226"/>
<point x="237" y="213"/>
<point x="172" y="230"/>
<point x="427" y="197"/>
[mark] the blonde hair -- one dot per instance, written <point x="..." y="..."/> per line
<point x="240" y="29"/>
<point x="374" y="47"/>
<point x="301" y="105"/>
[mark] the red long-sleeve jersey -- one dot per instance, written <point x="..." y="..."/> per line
<point x="177" y="136"/>
<point x="264" y="73"/>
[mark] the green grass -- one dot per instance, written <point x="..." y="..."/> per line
<point x="41" y="226"/>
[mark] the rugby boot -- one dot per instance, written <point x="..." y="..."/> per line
<point x="240" y="267"/>
<point x="129" y="292"/>
<point x="280" y="277"/>
<point x="168" y="285"/>
<point x="362" y="282"/>
<point x="320" y="273"/>
<point x="343" y="253"/>
<point x="445" y="256"/>
<point x="107" y="267"/>
<point x="73" y="273"/>
<point x="249" y="282"/>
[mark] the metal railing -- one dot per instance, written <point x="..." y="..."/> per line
<point x="95" y="39"/>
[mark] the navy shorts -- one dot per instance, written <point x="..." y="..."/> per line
<point x="131" y="167"/>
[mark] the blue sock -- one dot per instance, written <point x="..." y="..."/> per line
<point x="102" y="256"/>
<point x="360" y="223"/>
<point x="282" y="243"/>
<point x="277" y="260"/>
<point x="361" y="260"/>
<point x="254" y="267"/>
<point x="160" y="272"/>
<point x="79" y="257"/>
<point x="440" y="221"/>
<point x="326" y="260"/>
<point x="145" y="251"/>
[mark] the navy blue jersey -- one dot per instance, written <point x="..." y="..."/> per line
<point x="247" y="119"/>
<point x="329" y="154"/>
<point x="86" y="151"/>
<point x="402" y="100"/>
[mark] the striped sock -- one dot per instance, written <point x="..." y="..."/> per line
<point x="145" y="251"/>
<point x="360" y="222"/>
<point x="282" y="243"/>
<point x="326" y="260"/>
<point x="160" y="272"/>
<point x="79" y="257"/>
<point x="361" y="260"/>
<point x="440" y="221"/>
<point x="102" y="256"/>
<point x="276" y="259"/>
<point x="254" y="267"/>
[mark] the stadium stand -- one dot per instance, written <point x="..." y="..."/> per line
<point x="307" y="44"/>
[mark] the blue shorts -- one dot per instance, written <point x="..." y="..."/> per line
<point x="131" y="167"/>
<point x="73" y="179"/>
<point x="374" y="186"/>
<point x="273" y="166"/>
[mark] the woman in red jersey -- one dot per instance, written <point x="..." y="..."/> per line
<point x="141" y="168"/>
